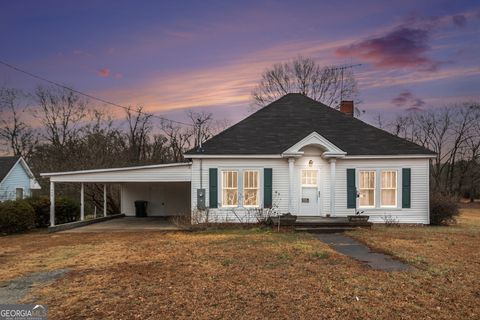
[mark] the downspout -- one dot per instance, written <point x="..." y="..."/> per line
<point x="201" y="173"/>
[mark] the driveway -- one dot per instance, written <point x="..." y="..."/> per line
<point x="128" y="224"/>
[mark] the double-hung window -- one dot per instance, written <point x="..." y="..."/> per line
<point x="388" y="190"/>
<point x="229" y="188"/>
<point x="367" y="188"/>
<point x="251" y="188"/>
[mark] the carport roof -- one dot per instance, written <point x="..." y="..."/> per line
<point x="172" y="172"/>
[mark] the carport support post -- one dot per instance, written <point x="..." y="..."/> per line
<point x="82" y="202"/>
<point x="52" y="203"/>
<point x="105" y="200"/>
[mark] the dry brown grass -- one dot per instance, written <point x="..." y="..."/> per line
<point x="251" y="274"/>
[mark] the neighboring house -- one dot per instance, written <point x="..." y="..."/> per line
<point x="296" y="155"/>
<point x="16" y="179"/>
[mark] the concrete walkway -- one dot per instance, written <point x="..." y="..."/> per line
<point x="15" y="290"/>
<point x="361" y="252"/>
<point x="128" y="224"/>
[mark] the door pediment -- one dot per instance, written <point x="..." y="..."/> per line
<point x="315" y="139"/>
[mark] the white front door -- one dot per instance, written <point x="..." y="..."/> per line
<point x="309" y="197"/>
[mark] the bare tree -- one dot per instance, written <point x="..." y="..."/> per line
<point x="453" y="133"/>
<point x="202" y="129"/>
<point x="16" y="133"/>
<point x="139" y="127"/>
<point x="303" y="75"/>
<point x="62" y="113"/>
<point x="178" y="139"/>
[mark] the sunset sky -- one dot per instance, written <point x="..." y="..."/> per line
<point x="171" y="56"/>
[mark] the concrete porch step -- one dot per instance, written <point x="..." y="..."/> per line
<point x="323" y="229"/>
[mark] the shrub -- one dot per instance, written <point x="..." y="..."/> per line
<point x="443" y="209"/>
<point x="16" y="216"/>
<point x="41" y="206"/>
<point x="66" y="210"/>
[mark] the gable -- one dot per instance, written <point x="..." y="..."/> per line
<point x="6" y="165"/>
<point x="16" y="178"/>
<point x="277" y="127"/>
<point x="14" y="170"/>
<point x="315" y="139"/>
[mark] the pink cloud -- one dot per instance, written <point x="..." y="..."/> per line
<point x="104" y="72"/>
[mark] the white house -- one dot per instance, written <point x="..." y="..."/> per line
<point x="16" y="179"/>
<point x="297" y="155"/>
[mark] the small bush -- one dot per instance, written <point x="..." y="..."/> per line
<point x="66" y="210"/>
<point x="443" y="209"/>
<point x="16" y="216"/>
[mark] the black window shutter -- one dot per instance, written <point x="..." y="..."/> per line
<point x="267" y="188"/>
<point x="213" y="188"/>
<point x="351" y="189"/>
<point x="406" y="187"/>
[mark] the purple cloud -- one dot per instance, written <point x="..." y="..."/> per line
<point x="400" y="48"/>
<point x="408" y="99"/>
<point x="459" y="20"/>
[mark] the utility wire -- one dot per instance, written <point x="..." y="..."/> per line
<point x="89" y="95"/>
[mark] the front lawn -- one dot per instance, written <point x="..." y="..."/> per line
<point x="250" y="274"/>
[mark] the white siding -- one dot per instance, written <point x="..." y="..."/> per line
<point x="17" y="178"/>
<point x="279" y="188"/>
<point x="180" y="173"/>
<point x="419" y="211"/>
<point x="164" y="199"/>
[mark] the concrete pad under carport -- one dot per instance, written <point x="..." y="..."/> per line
<point x="129" y="224"/>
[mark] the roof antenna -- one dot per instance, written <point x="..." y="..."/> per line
<point x="342" y="69"/>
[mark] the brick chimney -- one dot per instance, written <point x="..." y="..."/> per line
<point x="347" y="108"/>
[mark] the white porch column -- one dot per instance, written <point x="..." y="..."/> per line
<point x="291" y="162"/>
<point x="332" y="186"/>
<point x="82" y="202"/>
<point x="52" y="203"/>
<point x="104" y="200"/>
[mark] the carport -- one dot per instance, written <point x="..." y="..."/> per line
<point x="166" y="188"/>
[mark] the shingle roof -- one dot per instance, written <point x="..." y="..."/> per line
<point x="6" y="164"/>
<point x="278" y="126"/>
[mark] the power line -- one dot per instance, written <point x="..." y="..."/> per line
<point x="89" y="95"/>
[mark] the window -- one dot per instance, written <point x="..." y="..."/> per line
<point x="309" y="178"/>
<point x="251" y="187"/>
<point x="19" y="193"/>
<point x="229" y="188"/>
<point x="389" y="188"/>
<point x="367" y="188"/>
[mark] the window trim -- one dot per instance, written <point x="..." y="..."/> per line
<point x="223" y="188"/>
<point x="396" y="188"/>
<point x="258" y="188"/>
<point x="374" y="189"/>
